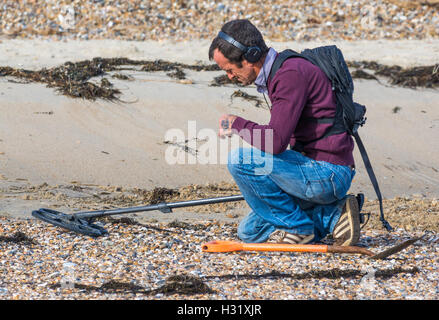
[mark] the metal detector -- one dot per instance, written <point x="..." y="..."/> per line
<point x="82" y="222"/>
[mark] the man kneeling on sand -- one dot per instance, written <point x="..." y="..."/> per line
<point x="303" y="197"/>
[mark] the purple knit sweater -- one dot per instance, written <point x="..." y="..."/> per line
<point x="299" y="91"/>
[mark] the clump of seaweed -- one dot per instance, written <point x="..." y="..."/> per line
<point x="162" y="65"/>
<point x="177" y="284"/>
<point x="183" y="146"/>
<point x="72" y="79"/>
<point x="396" y="109"/>
<point x="424" y="76"/>
<point x="248" y="97"/>
<point x="223" y="80"/>
<point x="124" y="220"/>
<point x="183" y="284"/>
<point x="185" y="225"/>
<point x="177" y="74"/>
<point x="113" y="286"/>
<point x="361" y="74"/>
<point x="117" y="286"/>
<point x="416" y="77"/>
<point x="122" y="76"/>
<point x="161" y="194"/>
<point x="175" y="70"/>
<point x="18" y="237"/>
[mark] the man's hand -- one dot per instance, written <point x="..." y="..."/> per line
<point x="225" y="125"/>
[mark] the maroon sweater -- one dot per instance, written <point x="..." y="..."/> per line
<point x="299" y="91"/>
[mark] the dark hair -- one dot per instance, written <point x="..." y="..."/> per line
<point x="242" y="31"/>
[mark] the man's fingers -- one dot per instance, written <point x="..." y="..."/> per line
<point x="225" y="124"/>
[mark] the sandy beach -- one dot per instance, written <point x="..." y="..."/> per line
<point x="61" y="139"/>
<point x="76" y="154"/>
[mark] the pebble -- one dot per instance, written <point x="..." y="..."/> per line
<point x="278" y="20"/>
<point x="59" y="265"/>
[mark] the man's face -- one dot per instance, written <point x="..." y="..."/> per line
<point x="245" y="75"/>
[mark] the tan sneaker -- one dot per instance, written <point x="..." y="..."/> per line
<point x="347" y="230"/>
<point x="280" y="236"/>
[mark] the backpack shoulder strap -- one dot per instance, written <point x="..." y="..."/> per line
<point x="373" y="179"/>
<point x="280" y="59"/>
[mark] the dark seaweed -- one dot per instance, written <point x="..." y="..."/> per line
<point x="178" y="284"/>
<point x="425" y="76"/>
<point x="17" y="237"/>
<point x="361" y="74"/>
<point x="72" y="79"/>
<point x="160" y="194"/>
<point x="248" y="97"/>
<point x="223" y="80"/>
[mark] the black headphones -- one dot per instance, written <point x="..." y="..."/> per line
<point x="251" y="54"/>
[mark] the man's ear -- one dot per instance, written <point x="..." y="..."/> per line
<point x="245" y="63"/>
<point x="257" y="64"/>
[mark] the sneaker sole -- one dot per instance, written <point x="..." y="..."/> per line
<point x="350" y="222"/>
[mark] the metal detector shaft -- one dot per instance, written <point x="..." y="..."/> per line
<point x="163" y="207"/>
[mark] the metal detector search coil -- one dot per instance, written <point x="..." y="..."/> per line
<point x="69" y="222"/>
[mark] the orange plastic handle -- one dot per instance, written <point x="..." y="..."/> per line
<point x="228" y="246"/>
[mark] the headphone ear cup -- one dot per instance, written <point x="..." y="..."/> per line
<point x="253" y="54"/>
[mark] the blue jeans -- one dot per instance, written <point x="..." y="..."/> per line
<point x="288" y="191"/>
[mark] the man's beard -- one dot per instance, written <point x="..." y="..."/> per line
<point x="243" y="84"/>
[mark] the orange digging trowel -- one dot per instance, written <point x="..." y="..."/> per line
<point x="229" y="246"/>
